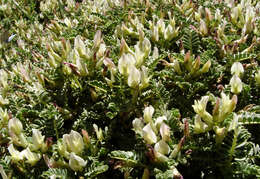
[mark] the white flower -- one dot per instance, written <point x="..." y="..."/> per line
<point x="138" y="125"/>
<point x="200" y="106"/>
<point x="76" y="163"/>
<point x="80" y="46"/>
<point x="134" y="77"/>
<point x="15" y="126"/>
<point x="37" y="139"/>
<point x="32" y="158"/>
<point x="165" y="132"/>
<point x="199" y="126"/>
<point x="227" y="105"/>
<point x="155" y="34"/>
<point x="3" y="79"/>
<point x="168" y="32"/>
<point x="160" y="157"/>
<point x="148" y="114"/>
<point x="236" y="84"/>
<point x="159" y="121"/>
<point x="144" y="77"/>
<point x="125" y="62"/>
<point x="73" y="142"/>
<point x="139" y="55"/>
<point x="162" y="147"/>
<point x="81" y="66"/>
<point x="97" y="39"/>
<point x="146" y="46"/>
<point x="237" y="69"/>
<point x="15" y="154"/>
<point x="149" y="135"/>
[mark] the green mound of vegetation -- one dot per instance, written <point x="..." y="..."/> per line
<point x="129" y="89"/>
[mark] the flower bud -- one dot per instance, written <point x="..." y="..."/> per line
<point x="86" y="138"/>
<point x="236" y="84"/>
<point x="257" y="77"/>
<point x="3" y="79"/>
<point x="155" y="34"/>
<point x="206" y="67"/>
<point x="3" y="101"/>
<point x="52" y="61"/>
<point x="197" y="16"/>
<point x="161" y="26"/>
<point x="73" y="142"/>
<point x="97" y="39"/>
<point x="124" y="48"/>
<point x="149" y="135"/>
<point x="145" y="175"/>
<point x="188" y="61"/>
<point x="176" y="66"/>
<point x="146" y="47"/>
<point x="220" y="134"/>
<point x="139" y="55"/>
<point x="196" y="64"/>
<point x="66" y="70"/>
<point x="99" y="132"/>
<point x="155" y="53"/>
<point x="209" y="16"/>
<point x="168" y="33"/>
<point x="148" y="114"/>
<point x="218" y="15"/>
<point x="134" y="77"/>
<point x="32" y="158"/>
<point x="237" y="69"/>
<point x="203" y="28"/>
<point x="4" y="115"/>
<point x="234" y="14"/>
<point x="101" y="51"/>
<point x="76" y="163"/>
<point x="15" y="126"/>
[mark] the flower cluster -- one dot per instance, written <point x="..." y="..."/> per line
<point x="156" y="133"/>
<point x="224" y="106"/>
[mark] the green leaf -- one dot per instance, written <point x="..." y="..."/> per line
<point x="128" y="157"/>
<point x="56" y="172"/>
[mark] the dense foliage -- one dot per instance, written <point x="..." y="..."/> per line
<point x="129" y="89"/>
